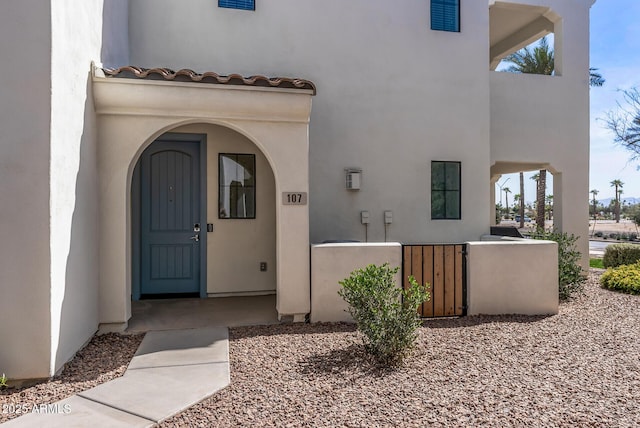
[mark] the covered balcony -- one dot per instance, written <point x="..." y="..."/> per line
<point x="515" y="25"/>
<point x="542" y="121"/>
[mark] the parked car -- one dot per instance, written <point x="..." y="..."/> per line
<point x="527" y="219"/>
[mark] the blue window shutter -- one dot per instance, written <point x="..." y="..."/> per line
<point x="238" y="4"/>
<point x="445" y="15"/>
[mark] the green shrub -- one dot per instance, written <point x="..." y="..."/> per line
<point x="625" y="278"/>
<point x="385" y="314"/>
<point x="620" y="254"/>
<point x="633" y="236"/>
<point x="598" y="234"/>
<point x="624" y="236"/>
<point x="570" y="276"/>
<point x="614" y="236"/>
<point x="3" y="381"/>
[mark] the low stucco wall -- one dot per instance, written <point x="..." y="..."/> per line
<point x="512" y="276"/>
<point x="331" y="263"/>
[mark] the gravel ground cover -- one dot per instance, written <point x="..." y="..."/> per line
<point x="578" y="368"/>
<point x="104" y="358"/>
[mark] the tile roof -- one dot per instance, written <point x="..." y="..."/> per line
<point x="186" y="75"/>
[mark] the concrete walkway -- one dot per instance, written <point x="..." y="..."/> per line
<point x="171" y="371"/>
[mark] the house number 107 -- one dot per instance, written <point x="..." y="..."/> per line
<point x="294" y="198"/>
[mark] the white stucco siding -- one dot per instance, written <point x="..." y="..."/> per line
<point x="392" y="96"/>
<point x="115" y="33"/>
<point x="539" y="119"/>
<point x="77" y="39"/>
<point x="24" y="190"/>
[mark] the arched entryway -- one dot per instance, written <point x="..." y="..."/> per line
<point x="553" y="187"/>
<point x="270" y="122"/>
<point x="566" y="202"/>
<point x="228" y="245"/>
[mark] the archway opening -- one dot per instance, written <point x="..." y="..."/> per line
<point x="523" y="196"/>
<point x="235" y="232"/>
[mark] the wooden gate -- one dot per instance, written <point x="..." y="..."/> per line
<point x="442" y="266"/>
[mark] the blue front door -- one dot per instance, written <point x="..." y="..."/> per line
<point x="170" y="220"/>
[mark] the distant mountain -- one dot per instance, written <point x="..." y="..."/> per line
<point x="605" y="202"/>
<point x="625" y="201"/>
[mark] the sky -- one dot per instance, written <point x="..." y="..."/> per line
<point x="615" y="52"/>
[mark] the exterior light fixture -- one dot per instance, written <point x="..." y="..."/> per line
<point x="353" y="177"/>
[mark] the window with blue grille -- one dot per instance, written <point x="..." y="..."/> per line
<point x="238" y="4"/>
<point x="445" y="15"/>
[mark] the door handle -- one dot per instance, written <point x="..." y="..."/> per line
<point x="196" y="237"/>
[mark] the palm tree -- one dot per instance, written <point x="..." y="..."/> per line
<point x="620" y="202"/>
<point x="595" y="79"/>
<point x="521" y="199"/>
<point x="594" y="192"/>
<point x="549" y="205"/>
<point x="506" y="191"/>
<point x="594" y="201"/>
<point x="618" y="185"/>
<point x="541" y="60"/>
<point x="519" y="208"/>
<point x="541" y="188"/>
<point x="537" y="61"/>
<point x="536" y="178"/>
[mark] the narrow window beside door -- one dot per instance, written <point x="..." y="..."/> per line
<point x="236" y="185"/>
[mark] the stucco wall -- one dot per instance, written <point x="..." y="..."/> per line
<point x="331" y="263"/>
<point x="49" y="255"/>
<point x="115" y="33"/>
<point x="504" y="276"/>
<point x="512" y="277"/>
<point x="392" y="96"/>
<point x="25" y="83"/>
<point x="78" y="35"/>
<point x="236" y="247"/>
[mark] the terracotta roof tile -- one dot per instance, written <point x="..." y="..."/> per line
<point x="186" y="75"/>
